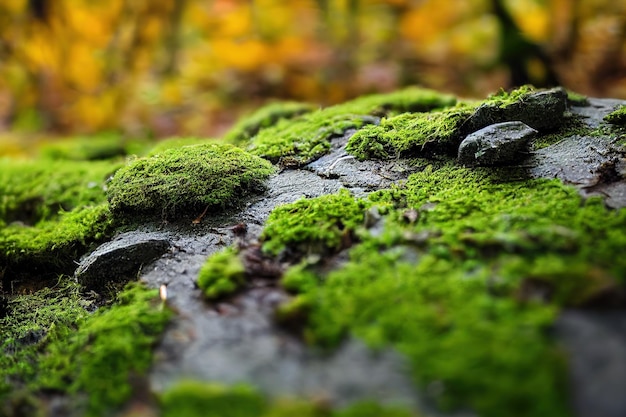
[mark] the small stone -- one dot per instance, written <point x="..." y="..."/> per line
<point x="498" y="144"/>
<point x="121" y="259"/>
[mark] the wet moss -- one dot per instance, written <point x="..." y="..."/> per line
<point x="51" y="343"/>
<point x="222" y="274"/>
<point x="108" y="348"/>
<point x="308" y="137"/>
<point x="186" y="180"/>
<point x="196" y="398"/>
<point x="248" y="127"/>
<point x="460" y="263"/>
<point x="411" y="134"/>
<point x="315" y="225"/>
<point x="617" y="117"/>
<point x="50" y="213"/>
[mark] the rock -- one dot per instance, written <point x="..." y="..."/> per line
<point x="498" y="144"/>
<point x="121" y="259"/>
<point x="541" y="110"/>
<point x="596" y="345"/>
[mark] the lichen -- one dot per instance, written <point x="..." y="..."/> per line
<point x="190" y="398"/>
<point x="308" y="137"/>
<point x="187" y="180"/>
<point x="222" y="274"/>
<point x="617" y="117"/>
<point x="248" y="127"/>
<point x="461" y="263"/>
<point x="411" y="134"/>
<point x="88" y="356"/>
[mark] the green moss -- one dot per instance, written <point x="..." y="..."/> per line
<point x="91" y="148"/>
<point x="187" y="180"/>
<point x="411" y="134"/>
<point x="107" y="348"/>
<point x="222" y="274"/>
<point x="50" y="212"/>
<point x="196" y="398"/>
<point x="308" y="137"/>
<point x="35" y="190"/>
<point x="25" y="327"/>
<point x="617" y="117"/>
<point x="485" y="261"/>
<point x="248" y="127"/>
<point x="50" y="342"/>
<point x="173" y="143"/>
<point x="314" y="225"/>
<point x="576" y="99"/>
<point x="574" y="125"/>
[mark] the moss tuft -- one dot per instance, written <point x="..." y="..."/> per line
<point x="576" y="99"/>
<point x="173" y="143"/>
<point x="314" y="225"/>
<point x="248" y="127"/>
<point x="187" y="179"/>
<point x="222" y="274"/>
<point x="308" y="137"/>
<point x="617" y="117"/>
<point x="411" y="134"/>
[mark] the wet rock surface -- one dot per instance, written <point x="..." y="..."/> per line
<point x="499" y="144"/>
<point x="121" y="258"/>
<point x="237" y="339"/>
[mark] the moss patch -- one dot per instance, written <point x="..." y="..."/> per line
<point x="50" y="213"/>
<point x="173" y="143"/>
<point x="88" y="356"/>
<point x="222" y="274"/>
<point x="411" y="134"/>
<point x="308" y="137"/>
<point x="248" y="127"/>
<point x="617" y="117"/>
<point x="187" y="180"/>
<point x="313" y="225"/>
<point x="105" y="146"/>
<point x="464" y="272"/>
<point x="196" y="398"/>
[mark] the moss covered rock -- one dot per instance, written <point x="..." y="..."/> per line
<point x="187" y="180"/>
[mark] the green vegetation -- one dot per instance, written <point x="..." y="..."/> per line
<point x="222" y="274"/>
<point x="50" y="342"/>
<point x="187" y="179"/>
<point x="173" y="143"/>
<point x="248" y="127"/>
<point x="412" y="134"/>
<point x="468" y="289"/>
<point x="576" y="99"/>
<point x="617" y="117"/>
<point x="196" y="398"/>
<point x="314" y="225"/>
<point x="308" y="137"/>
<point x="105" y="146"/>
<point x="50" y="212"/>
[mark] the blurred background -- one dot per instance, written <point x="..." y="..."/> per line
<point x="154" y="69"/>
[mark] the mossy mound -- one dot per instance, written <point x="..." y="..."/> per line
<point x="50" y="213"/>
<point x="463" y="271"/>
<point x="299" y="141"/>
<point x="411" y="134"/>
<point x="92" y="148"/>
<point x="187" y="180"/>
<point x="51" y="343"/>
<point x="248" y="127"/>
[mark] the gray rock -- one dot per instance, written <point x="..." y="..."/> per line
<point x="498" y="144"/>
<point x="121" y="259"/>
<point x="596" y="345"/>
<point x="542" y="110"/>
